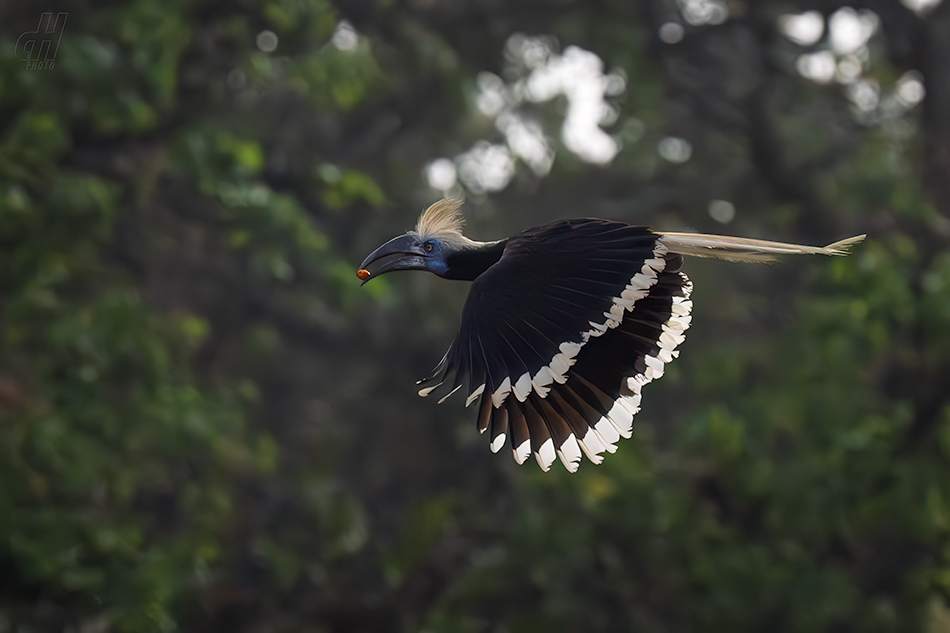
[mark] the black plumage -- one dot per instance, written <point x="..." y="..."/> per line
<point x="564" y="323"/>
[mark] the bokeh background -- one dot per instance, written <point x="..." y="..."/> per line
<point x="206" y="424"/>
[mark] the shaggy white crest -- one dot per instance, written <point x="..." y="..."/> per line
<point x="442" y="220"/>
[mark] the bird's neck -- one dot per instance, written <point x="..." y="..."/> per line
<point x="471" y="260"/>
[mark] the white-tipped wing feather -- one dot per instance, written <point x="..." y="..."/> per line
<point x="740" y="249"/>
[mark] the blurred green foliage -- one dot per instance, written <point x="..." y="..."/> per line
<point x="206" y="424"/>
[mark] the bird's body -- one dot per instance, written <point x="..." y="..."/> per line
<point x="564" y="323"/>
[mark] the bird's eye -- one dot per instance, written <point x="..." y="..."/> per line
<point x="428" y="246"/>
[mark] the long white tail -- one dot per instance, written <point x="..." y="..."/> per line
<point x="740" y="249"/>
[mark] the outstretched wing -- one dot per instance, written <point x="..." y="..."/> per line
<point x="558" y="337"/>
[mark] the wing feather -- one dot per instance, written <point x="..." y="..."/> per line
<point x="552" y="332"/>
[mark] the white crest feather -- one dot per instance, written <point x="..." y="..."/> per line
<point x="442" y="220"/>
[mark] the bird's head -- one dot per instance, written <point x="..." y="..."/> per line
<point x="434" y="245"/>
<point x="406" y="252"/>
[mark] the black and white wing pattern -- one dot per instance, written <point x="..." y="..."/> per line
<point x="559" y="336"/>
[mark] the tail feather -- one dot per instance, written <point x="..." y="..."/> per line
<point x="740" y="249"/>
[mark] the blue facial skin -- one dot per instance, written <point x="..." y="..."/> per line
<point x="435" y="257"/>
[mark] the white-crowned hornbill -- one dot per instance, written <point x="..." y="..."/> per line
<point x="564" y="323"/>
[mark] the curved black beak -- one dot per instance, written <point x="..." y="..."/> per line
<point x="400" y="253"/>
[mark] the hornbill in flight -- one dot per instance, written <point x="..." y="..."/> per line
<point x="564" y="323"/>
